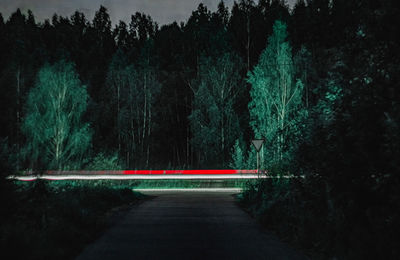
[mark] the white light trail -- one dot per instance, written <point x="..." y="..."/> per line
<point x="191" y="189"/>
<point x="135" y="177"/>
<point x="148" y="177"/>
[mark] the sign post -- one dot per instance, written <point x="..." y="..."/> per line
<point x="257" y="143"/>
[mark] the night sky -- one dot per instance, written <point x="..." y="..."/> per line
<point x="162" y="11"/>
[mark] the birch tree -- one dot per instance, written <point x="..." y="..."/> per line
<point x="133" y="89"/>
<point x="140" y="95"/>
<point x="276" y="96"/>
<point x="56" y="136"/>
<point x="116" y="82"/>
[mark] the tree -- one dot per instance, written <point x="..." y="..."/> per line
<point x="214" y="122"/>
<point x="121" y="36"/>
<point x="20" y="58"/>
<point x="132" y="91"/>
<point x="276" y="95"/>
<point x="173" y="105"/>
<point x="94" y="71"/>
<point x="116" y="82"/>
<point x="56" y="135"/>
<point x="240" y="26"/>
<point x="238" y="157"/>
<point x="143" y="90"/>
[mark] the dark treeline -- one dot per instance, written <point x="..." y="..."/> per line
<point x="154" y="94"/>
<point x="343" y="44"/>
<point x="144" y="82"/>
<point x="106" y="58"/>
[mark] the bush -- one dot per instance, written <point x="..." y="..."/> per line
<point x="57" y="219"/>
<point x="238" y="157"/>
<point x="104" y="162"/>
<point x="325" y="224"/>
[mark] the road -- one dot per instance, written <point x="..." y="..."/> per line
<point x="188" y="225"/>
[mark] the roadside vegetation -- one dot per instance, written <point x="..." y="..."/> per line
<point x="47" y="220"/>
<point x="327" y="224"/>
<point x="57" y="219"/>
<point x="345" y="143"/>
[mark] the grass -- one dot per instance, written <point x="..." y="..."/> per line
<point x="171" y="184"/>
<point x="148" y="184"/>
<point x="55" y="220"/>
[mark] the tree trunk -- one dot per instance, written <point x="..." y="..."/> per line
<point x="187" y="138"/>
<point x="248" y="40"/>
<point x="18" y="115"/>
<point x="223" y="141"/>
<point x="144" y="111"/>
<point x="118" y="117"/>
<point x="148" y="135"/>
<point x="132" y="129"/>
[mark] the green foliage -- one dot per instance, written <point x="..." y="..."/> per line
<point x="251" y="161"/>
<point x="214" y="122"/>
<point x="53" y="123"/>
<point x="189" y="184"/>
<point x="238" y="157"/>
<point x="133" y="92"/>
<point x="266" y="194"/>
<point x="276" y="96"/>
<point x="103" y="162"/>
<point x="58" y="219"/>
<point x="135" y="184"/>
<point x="298" y="209"/>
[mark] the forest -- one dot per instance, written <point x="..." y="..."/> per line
<point x="316" y="81"/>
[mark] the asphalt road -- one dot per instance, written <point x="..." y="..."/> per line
<point x="188" y="225"/>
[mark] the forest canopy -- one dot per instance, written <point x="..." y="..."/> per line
<point x="182" y="95"/>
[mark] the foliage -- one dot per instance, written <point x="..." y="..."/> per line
<point x="104" y="162"/>
<point x="4" y="160"/>
<point x="276" y="103"/>
<point x="134" y="89"/>
<point x="57" y="221"/>
<point x="252" y="159"/>
<point x="214" y="122"/>
<point x="139" y="184"/>
<point x="5" y="169"/>
<point x="53" y="128"/>
<point x="345" y="153"/>
<point x="238" y="157"/>
<point x="298" y="210"/>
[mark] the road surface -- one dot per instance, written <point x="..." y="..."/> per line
<point x="188" y="225"/>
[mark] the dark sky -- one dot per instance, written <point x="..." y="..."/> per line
<point x="162" y="11"/>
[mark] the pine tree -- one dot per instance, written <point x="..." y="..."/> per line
<point x="56" y="135"/>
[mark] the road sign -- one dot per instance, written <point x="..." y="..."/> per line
<point x="257" y="143"/>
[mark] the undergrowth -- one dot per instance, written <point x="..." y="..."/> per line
<point x="47" y="220"/>
<point x="324" y="224"/>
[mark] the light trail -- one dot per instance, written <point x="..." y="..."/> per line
<point x="148" y="177"/>
<point x="191" y="190"/>
<point x="149" y="172"/>
<point x="135" y="177"/>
